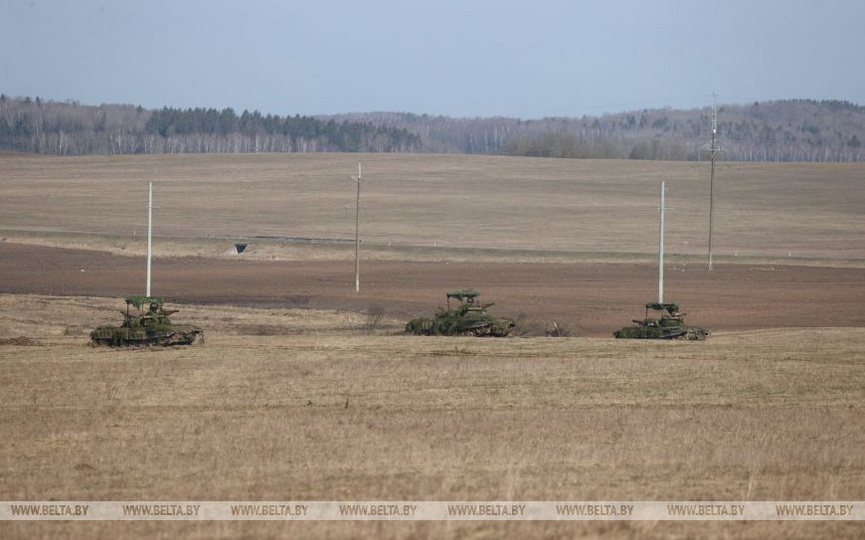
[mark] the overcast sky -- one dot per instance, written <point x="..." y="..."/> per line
<point x="526" y="59"/>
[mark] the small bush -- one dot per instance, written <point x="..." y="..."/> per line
<point x="528" y="326"/>
<point x="559" y="330"/>
<point x="374" y="317"/>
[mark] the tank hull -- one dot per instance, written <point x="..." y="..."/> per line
<point x="118" y="336"/>
<point x="688" y="333"/>
<point x="456" y="326"/>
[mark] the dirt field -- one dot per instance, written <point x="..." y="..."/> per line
<point x="293" y="396"/>
<point x="591" y="298"/>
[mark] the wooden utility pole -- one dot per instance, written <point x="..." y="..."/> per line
<point x="713" y="150"/>
<point x="357" y="232"/>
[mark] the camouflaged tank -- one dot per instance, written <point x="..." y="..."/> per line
<point x="670" y="325"/>
<point x="146" y="328"/>
<point x="468" y="319"/>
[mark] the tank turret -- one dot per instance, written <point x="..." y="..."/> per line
<point x="469" y="318"/>
<point x="142" y="328"/>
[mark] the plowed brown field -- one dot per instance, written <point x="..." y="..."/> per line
<point x="592" y="298"/>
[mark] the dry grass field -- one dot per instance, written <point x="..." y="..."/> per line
<point x="297" y="394"/>
<point x="583" y="206"/>
<point x="307" y="405"/>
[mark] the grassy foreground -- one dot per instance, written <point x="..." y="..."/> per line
<point x="306" y="405"/>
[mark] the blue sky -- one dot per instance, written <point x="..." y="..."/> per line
<point x="450" y="57"/>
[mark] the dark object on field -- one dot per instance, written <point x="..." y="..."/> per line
<point x="670" y="325"/>
<point x="146" y="328"/>
<point x="469" y="319"/>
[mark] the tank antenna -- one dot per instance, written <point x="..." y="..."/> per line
<point x="661" y="251"/>
<point x="149" y="232"/>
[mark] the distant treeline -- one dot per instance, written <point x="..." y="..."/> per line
<point x="68" y="128"/>
<point x="789" y="130"/>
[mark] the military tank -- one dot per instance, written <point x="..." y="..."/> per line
<point x="669" y="325"/>
<point x="469" y="318"/>
<point x="149" y="328"/>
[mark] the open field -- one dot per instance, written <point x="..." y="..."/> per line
<point x="320" y="410"/>
<point x="583" y="206"/>
<point x="570" y="241"/>
<point x="294" y="397"/>
<point x="591" y="298"/>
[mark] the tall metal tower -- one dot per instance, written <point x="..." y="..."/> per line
<point x="713" y="149"/>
